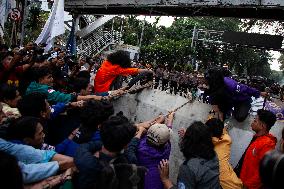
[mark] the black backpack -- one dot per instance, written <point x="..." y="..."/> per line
<point x="120" y="175"/>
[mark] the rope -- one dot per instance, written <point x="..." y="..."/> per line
<point x="181" y="106"/>
<point x="149" y="84"/>
<point x="176" y="109"/>
<point x="131" y="90"/>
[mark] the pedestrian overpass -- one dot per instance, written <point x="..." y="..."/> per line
<point x="259" y="9"/>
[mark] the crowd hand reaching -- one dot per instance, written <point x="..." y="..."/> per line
<point x="69" y="173"/>
<point x="148" y="124"/>
<point x="171" y="115"/>
<point x="164" y="169"/>
<point x="53" y="181"/>
<point x="160" y="119"/>
<point x="164" y="173"/>
<point x="77" y="104"/>
<point x="46" y="184"/>
<point x="140" y="131"/>
<point x="73" y="134"/>
<point x="181" y="132"/>
<point x="117" y="92"/>
<point x="264" y="94"/>
<point x="189" y="96"/>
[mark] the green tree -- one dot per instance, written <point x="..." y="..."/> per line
<point x="172" y="45"/>
<point x="281" y="61"/>
<point x="35" y="22"/>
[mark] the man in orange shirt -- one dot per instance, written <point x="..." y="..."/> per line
<point x="117" y="64"/>
<point x="262" y="142"/>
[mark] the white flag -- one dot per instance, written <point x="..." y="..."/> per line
<point x="54" y="26"/>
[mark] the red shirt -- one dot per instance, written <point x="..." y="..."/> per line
<point x="12" y="77"/>
<point x="250" y="168"/>
<point x="107" y="74"/>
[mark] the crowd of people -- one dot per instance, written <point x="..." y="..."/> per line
<point x="58" y="128"/>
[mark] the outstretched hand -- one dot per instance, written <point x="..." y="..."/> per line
<point x="160" y="119"/>
<point x="264" y="94"/>
<point x="164" y="169"/>
<point x="164" y="173"/>
<point x="181" y="132"/>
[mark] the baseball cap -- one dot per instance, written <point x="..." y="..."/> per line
<point x="158" y="134"/>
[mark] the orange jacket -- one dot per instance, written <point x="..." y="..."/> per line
<point x="107" y="74"/>
<point x="255" y="152"/>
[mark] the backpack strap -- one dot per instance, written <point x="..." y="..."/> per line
<point x="134" y="178"/>
<point x="114" y="179"/>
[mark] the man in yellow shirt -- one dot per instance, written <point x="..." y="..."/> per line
<point x="222" y="146"/>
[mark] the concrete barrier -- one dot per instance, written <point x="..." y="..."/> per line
<point x="150" y="103"/>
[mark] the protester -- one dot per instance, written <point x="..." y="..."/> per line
<point x="116" y="64"/>
<point x="116" y="133"/>
<point x="82" y="86"/>
<point x="50" y="112"/>
<point x="222" y="146"/>
<point x="271" y="170"/>
<point x="92" y="115"/>
<point x="201" y="167"/>
<point x="225" y="94"/>
<point x="150" y="147"/>
<point x="9" y="97"/>
<point x="43" y="84"/>
<point x="261" y="143"/>
<point x="36" y="165"/>
<point x="10" y="169"/>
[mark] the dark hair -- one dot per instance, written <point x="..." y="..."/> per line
<point x="40" y="72"/>
<point x="92" y="114"/>
<point x="266" y="117"/>
<point x="271" y="169"/>
<point x="120" y="176"/>
<point x="4" y="46"/>
<point x="95" y="112"/>
<point x="215" y="79"/>
<point x="197" y="142"/>
<point x="84" y="74"/>
<point x="24" y="127"/>
<point x="217" y="90"/>
<point x="88" y="59"/>
<point x="40" y="59"/>
<point x="116" y="133"/>
<point x="14" y="46"/>
<point x="6" y="54"/>
<point x="7" y="92"/>
<point x="120" y="58"/>
<point x="10" y="175"/>
<point x="32" y="104"/>
<point x="215" y="127"/>
<point x="80" y="83"/>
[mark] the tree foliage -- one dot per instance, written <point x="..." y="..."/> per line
<point x="172" y="45"/>
<point x="281" y="61"/>
<point x="35" y="22"/>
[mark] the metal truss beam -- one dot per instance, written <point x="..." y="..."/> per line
<point x="260" y="9"/>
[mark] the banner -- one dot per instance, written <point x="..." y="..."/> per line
<point x="276" y="108"/>
<point x="54" y="26"/>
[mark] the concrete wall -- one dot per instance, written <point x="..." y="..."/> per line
<point x="150" y="103"/>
